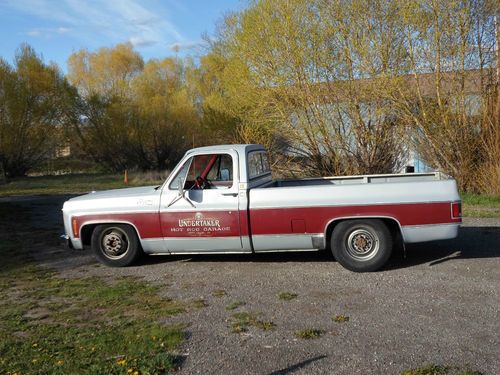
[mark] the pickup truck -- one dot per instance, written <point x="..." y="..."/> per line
<point x="223" y="199"/>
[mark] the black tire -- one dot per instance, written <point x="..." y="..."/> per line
<point x="116" y="245"/>
<point x="362" y="245"/>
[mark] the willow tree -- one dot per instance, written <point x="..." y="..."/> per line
<point x="168" y="122"/>
<point x="453" y="104"/>
<point x="316" y="76"/>
<point x="35" y="104"/>
<point x="133" y="114"/>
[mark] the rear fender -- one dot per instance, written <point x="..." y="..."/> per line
<point x="393" y="224"/>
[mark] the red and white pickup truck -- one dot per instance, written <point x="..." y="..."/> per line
<point x="222" y="199"/>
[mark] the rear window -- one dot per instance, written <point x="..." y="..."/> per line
<point x="258" y="164"/>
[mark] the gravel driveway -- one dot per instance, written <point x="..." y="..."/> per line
<point x="440" y="305"/>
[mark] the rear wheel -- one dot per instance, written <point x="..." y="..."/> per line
<point x="115" y="245"/>
<point x="361" y="245"/>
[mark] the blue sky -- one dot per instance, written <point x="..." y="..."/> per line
<point x="156" y="28"/>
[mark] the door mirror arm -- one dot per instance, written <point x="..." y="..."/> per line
<point x="181" y="194"/>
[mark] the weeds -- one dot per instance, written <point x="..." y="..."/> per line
<point x="286" y="296"/>
<point x="219" y="293"/>
<point x="244" y="319"/>
<point x="234" y="305"/>
<point x="199" y="303"/>
<point x="432" y="369"/>
<point x="340" y="318"/>
<point x="309" y="333"/>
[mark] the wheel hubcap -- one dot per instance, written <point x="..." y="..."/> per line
<point x="114" y="243"/>
<point x="362" y="244"/>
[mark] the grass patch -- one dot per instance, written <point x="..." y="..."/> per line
<point x="309" y="333"/>
<point x="480" y="205"/>
<point x="74" y="183"/>
<point x="286" y="296"/>
<point x="244" y="319"/>
<point x="432" y="369"/>
<point x="482" y="200"/>
<point x="199" y="303"/>
<point x="88" y="325"/>
<point x="234" y="305"/>
<point x="219" y="293"/>
<point x="340" y="318"/>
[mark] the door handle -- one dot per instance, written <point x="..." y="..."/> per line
<point x="230" y="194"/>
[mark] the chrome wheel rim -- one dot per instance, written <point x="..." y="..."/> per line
<point x="114" y="243"/>
<point x="362" y="244"/>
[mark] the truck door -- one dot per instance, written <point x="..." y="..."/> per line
<point x="199" y="207"/>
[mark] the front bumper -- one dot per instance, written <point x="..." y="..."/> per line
<point x="66" y="241"/>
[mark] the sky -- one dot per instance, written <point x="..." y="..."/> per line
<point x="156" y="28"/>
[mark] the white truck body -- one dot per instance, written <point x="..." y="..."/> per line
<point x="242" y="210"/>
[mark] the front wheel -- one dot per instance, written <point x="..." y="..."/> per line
<point x="361" y="245"/>
<point x="115" y="245"/>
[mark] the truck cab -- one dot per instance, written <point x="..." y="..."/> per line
<point x="204" y="202"/>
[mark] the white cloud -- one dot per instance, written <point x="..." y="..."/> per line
<point x="47" y="31"/>
<point x="138" y="41"/>
<point x="35" y="32"/>
<point x="141" y="22"/>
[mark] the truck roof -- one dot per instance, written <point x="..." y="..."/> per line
<point x="239" y="148"/>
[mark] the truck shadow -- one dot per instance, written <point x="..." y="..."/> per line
<point x="472" y="243"/>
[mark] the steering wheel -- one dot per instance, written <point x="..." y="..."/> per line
<point x="202" y="183"/>
<point x="199" y="182"/>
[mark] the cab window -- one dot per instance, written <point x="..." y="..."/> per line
<point x="211" y="171"/>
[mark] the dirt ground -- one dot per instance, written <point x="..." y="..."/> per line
<point x="438" y="305"/>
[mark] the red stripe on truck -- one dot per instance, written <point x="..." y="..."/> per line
<point x="172" y="224"/>
<point x="279" y="220"/>
<point x="147" y="223"/>
<point x="267" y="220"/>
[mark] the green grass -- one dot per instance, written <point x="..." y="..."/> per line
<point x="243" y="320"/>
<point x="199" y="303"/>
<point x="286" y="296"/>
<point x="432" y="369"/>
<point x="480" y="205"/>
<point x="78" y="325"/>
<point x="340" y="318"/>
<point x="234" y="305"/>
<point x="475" y="199"/>
<point x="219" y="293"/>
<point x="309" y="333"/>
<point x="73" y="183"/>
<point x="428" y="370"/>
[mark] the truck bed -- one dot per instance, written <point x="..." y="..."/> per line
<point x="287" y="214"/>
<point x="354" y="180"/>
